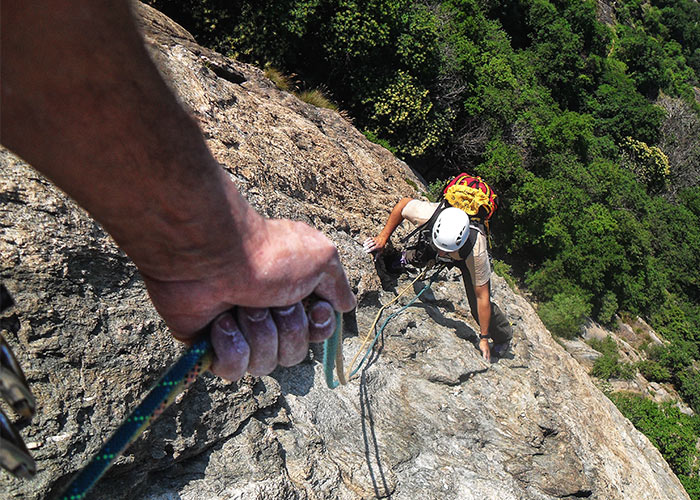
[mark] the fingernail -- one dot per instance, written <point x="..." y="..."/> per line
<point x="286" y="311"/>
<point x="321" y="315"/>
<point x="256" y="314"/>
<point x="227" y="324"/>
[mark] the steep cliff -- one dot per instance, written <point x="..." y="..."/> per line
<point x="427" y="418"/>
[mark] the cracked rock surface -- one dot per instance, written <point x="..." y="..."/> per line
<point x="427" y="417"/>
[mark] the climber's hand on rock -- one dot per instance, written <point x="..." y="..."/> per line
<point x="374" y="245"/>
<point x="485" y="349"/>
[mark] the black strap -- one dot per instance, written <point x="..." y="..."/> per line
<point x="469" y="245"/>
<point x="441" y="206"/>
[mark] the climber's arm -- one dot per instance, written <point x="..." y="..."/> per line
<point x="378" y="243"/>
<point x="483" y="304"/>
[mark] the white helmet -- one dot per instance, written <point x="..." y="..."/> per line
<point x="451" y="229"/>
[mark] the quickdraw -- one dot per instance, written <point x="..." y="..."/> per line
<point x="14" y="389"/>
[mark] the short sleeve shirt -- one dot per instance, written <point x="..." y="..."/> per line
<point x="418" y="212"/>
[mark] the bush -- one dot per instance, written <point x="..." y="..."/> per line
<point x="608" y="365"/>
<point x="650" y="164"/>
<point x="653" y="371"/>
<point x="371" y="136"/>
<point x="672" y="432"/>
<point x="608" y="308"/>
<point x="688" y="382"/>
<point x="435" y="189"/>
<point x="564" y="314"/>
<point x="607" y="346"/>
<point x="505" y="272"/>
<point x="691" y="485"/>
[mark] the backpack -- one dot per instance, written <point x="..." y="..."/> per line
<point x="467" y="193"/>
<point x="472" y="195"/>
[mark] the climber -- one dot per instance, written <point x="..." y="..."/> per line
<point x="451" y="238"/>
<point x="84" y="104"/>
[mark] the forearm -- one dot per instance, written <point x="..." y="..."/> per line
<point x="483" y="301"/>
<point x="395" y="219"/>
<point x="78" y="81"/>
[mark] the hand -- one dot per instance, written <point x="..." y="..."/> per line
<point x="282" y="263"/>
<point x="485" y="349"/>
<point x="158" y="191"/>
<point x="374" y="245"/>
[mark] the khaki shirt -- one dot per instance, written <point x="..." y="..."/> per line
<point x="418" y="212"/>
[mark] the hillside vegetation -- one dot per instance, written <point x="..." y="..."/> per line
<point x="589" y="131"/>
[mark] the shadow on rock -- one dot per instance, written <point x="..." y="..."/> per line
<point x="372" y="447"/>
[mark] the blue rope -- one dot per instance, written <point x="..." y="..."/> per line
<point x="330" y="347"/>
<point x="185" y="370"/>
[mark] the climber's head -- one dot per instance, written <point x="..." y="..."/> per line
<point x="451" y="230"/>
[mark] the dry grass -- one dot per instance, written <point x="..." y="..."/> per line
<point x="281" y="81"/>
<point x="317" y="97"/>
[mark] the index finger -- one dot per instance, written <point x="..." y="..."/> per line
<point x="335" y="288"/>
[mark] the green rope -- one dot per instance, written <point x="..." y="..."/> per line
<point x="330" y="348"/>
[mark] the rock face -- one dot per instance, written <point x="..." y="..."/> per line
<point x="426" y="418"/>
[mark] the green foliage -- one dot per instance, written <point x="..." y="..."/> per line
<point x="691" y="485"/>
<point x="672" y="432"/>
<point x="608" y="365"/>
<point x="608" y="308"/>
<point x="435" y="189"/>
<point x="653" y="371"/>
<point x="644" y="57"/>
<point x="620" y="110"/>
<point x="688" y="383"/>
<point x="605" y="346"/>
<point x="505" y="272"/>
<point x="403" y="113"/>
<point x="382" y="142"/>
<point x="650" y="164"/>
<point x="564" y="314"/>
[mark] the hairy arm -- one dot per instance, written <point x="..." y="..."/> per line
<point x="483" y="304"/>
<point x="83" y="104"/>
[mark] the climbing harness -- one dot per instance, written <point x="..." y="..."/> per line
<point x="332" y="347"/>
<point x="181" y="375"/>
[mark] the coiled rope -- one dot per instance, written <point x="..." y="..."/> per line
<point x="332" y="347"/>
